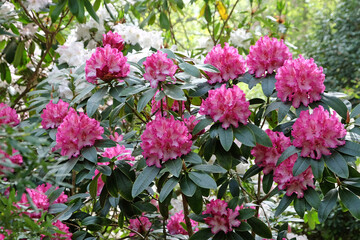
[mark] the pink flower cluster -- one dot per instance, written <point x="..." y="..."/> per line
<point x="142" y="225"/>
<point x="317" y="132"/>
<point x="76" y="132"/>
<point x="119" y="152"/>
<point x="228" y="106"/>
<point x="165" y="139"/>
<point x="174" y="227"/>
<point x="54" y="114"/>
<point x="229" y="62"/>
<point x="222" y="218"/>
<point x="15" y="158"/>
<point x="266" y="56"/>
<point x="114" y="40"/>
<point x="300" y="81"/>
<point x="100" y="182"/>
<point x="60" y="236"/>
<point x="190" y="123"/>
<point x="267" y="157"/>
<point x="285" y="179"/>
<point x="8" y="115"/>
<point x="107" y="64"/>
<point x="158" y="67"/>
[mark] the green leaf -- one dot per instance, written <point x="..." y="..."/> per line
<point x="144" y="180"/>
<point x="170" y="54"/>
<point x="355" y="112"/>
<point x="317" y="167"/>
<point x="187" y="186"/>
<point x="203" y="180"/>
<point x="167" y="188"/>
<point x="337" y="164"/>
<point x="95" y="220"/>
<point x="350" y="148"/>
<point x="327" y="205"/>
<point x="261" y="136"/>
<point x="284" y="108"/>
<point x="207" y="68"/>
<point x="97" y="5"/>
<point x="94" y="101"/>
<point x="91" y="10"/>
<point x="192" y="158"/>
<point x="93" y="186"/>
<point x="234" y="188"/>
<point x="174" y="166"/>
<point x="190" y="69"/>
<point x="351" y="201"/>
<point x="174" y="92"/>
<point x="105" y="143"/>
<point x="207" y="13"/>
<point x="5" y="72"/>
<point x="312" y="197"/>
<point x="57" y="10"/>
<point x="252" y="171"/>
<point x="287" y="153"/>
<point x="104" y="169"/>
<point x="226" y="137"/>
<point x="202" y="234"/>
<point x="268" y="85"/>
<point x="19" y="54"/>
<point x="245" y="135"/>
<point x="233" y="236"/>
<point x="259" y="227"/>
<point x="57" y="208"/>
<point x="284" y="203"/>
<point x="201" y="125"/>
<point x="74" y="7"/>
<point x="244" y="227"/>
<point x="164" y="21"/>
<point x="145" y="98"/>
<point x="299" y="205"/>
<point x="224" y="158"/>
<point x="82" y="94"/>
<point x="209" y="168"/>
<point x="336" y="104"/>
<point x="195" y="201"/>
<point x="246" y="213"/>
<point x="90" y="154"/>
<point x="129" y="91"/>
<point x="267" y="182"/>
<point x="55" y="194"/>
<point x="300" y="165"/>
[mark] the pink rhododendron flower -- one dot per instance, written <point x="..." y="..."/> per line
<point x="229" y="62"/>
<point x="300" y="81"/>
<point x="228" y="106"/>
<point x="266" y="56"/>
<point x="120" y="152"/>
<point x="54" y="114"/>
<point x="156" y="106"/>
<point x="107" y="64"/>
<point x="100" y="183"/>
<point x="142" y="225"/>
<point x="267" y="157"/>
<point x="15" y="158"/>
<point x="222" y="218"/>
<point x="174" y="227"/>
<point x="116" y="137"/>
<point x="165" y="139"/>
<point x="45" y="187"/>
<point x="60" y="236"/>
<point x="190" y="123"/>
<point x="76" y="132"/>
<point x="8" y="115"/>
<point x="283" y="176"/>
<point x="317" y="132"/>
<point x="114" y="40"/>
<point x="158" y="67"/>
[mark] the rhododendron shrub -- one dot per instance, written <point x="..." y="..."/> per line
<point x="54" y="114"/>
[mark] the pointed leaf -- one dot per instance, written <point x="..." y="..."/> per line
<point x="268" y="85"/>
<point x="187" y="186"/>
<point x="90" y="154"/>
<point x="261" y="136"/>
<point x="203" y="234"/>
<point x="284" y="203"/>
<point x="259" y="227"/>
<point x="209" y="168"/>
<point x="337" y="164"/>
<point x="94" y="101"/>
<point x="203" y="180"/>
<point x="174" y="92"/>
<point x="317" y="167"/>
<point x="226" y="137"/>
<point x="336" y="104"/>
<point x="245" y="135"/>
<point x="255" y="169"/>
<point x="327" y="205"/>
<point x="201" y="125"/>
<point x="174" y="166"/>
<point x="300" y="165"/>
<point x="312" y="197"/>
<point x="287" y="153"/>
<point x="190" y="69"/>
<point x="144" y="180"/>
<point x="167" y="188"/>
<point x="350" y="148"/>
<point x="145" y="98"/>
<point x="351" y="201"/>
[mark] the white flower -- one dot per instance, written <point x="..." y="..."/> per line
<point x="242" y="167"/>
<point x="29" y="30"/>
<point x="240" y="38"/>
<point x="207" y="43"/>
<point x="73" y="53"/>
<point x="297" y="237"/>
<point x="37" y="5"/>
<point x="6" y="9"/>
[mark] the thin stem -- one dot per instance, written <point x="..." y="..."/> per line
<point x="225" y="22"/>
<point x="186" y="215"/>
<point x="135" y="112"/>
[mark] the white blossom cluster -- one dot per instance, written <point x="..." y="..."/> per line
<point x="36" y="5"/>
<point x="73" y="53"/>
<point x="134" y="35"/>
<point x="240" y="38"/>
<point x="6" y="9"/>
<point x="206" y="43"/>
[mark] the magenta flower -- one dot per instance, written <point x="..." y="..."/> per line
<point x="67" y="235"/>
<point x="156" y="106"/>
<point x="228" y="106"/>
<point x="15" y="158"/>
<point x="142" y="225"/>
<point x="300" y="81"/>
<point x="317" y="132"/>
<point x="285" y="179"/>
<point x="190" y="123"/>
<point x="174" y="227"/>
<point x="76" y="132"/>
<point x="107" y="64"/>
<point x="266" y="56"/>
<point x="8" y="115"/>
<point x="116" y="137"/>
<point x="229" y="62"/>
<point x="114" y="40"/>
<point x="222" y="218"/>
<point x="119" y="152"/>
<point x="267" y="157"/>
<point x="158" y="67"/>
<point x="165" y="139"/>
<point x="54" y="114"/>
<point x="100" y="182"/>
<point x="43" y="188"/>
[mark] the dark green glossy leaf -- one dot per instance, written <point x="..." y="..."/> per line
<point x="259" y="227"/>
<point x="300" y="165"/>
<point x="145" y="98"/>
<point x="351" y="201"/>
<point x="167" y="188"/>
<point x="327" y="204"/>
<point x="174" y="92"/>
<point x="94" y="101"/>
<point x="57" y="10"/>
<point x="234" y="188"/>
<point x="207" y="68"/>
<point x="195" y="202"/>
<point x="187" y="186"/>
<point x="287" y="153"/>
<point x="226" y="137"/>
<point x="202" y="234"/>
<point x="355" y="112"/>
<point x="299" y="205"/>
<point x="268" y="85"/>
<point x="209" y="168"/>
<point x="317" y="167"/>
<point x="91" y="10"/>
<point x="245" y="135"/>
<point x="350" y="148"/>
<point x="267" y="182"/>
<point x="203" y="180"/>
<point x="190" y="69"/>
<point x="164" y="21"/>
<point x="246" y="213"/>
<point x="336" y="104"/>
<point x="312" y="197"/>
<point x="201" y="125"/>
<point x="337" y="164"/>
<point x="90" y="154"/>
<point x="144" y="180"/>
<point x="192" y="158"/>
<point x="284" y="203"/>
<point x="255" y="169"/>
<point x="174" y="166"/>
<point x="261" y="136"/>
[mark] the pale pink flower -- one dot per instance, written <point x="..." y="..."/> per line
<point x="54" y="114"/>
<point x="222" y="218"/>
<point x="165" y="139"/>
<point x="229" y="62"/>
<point x="267" y="157"/>
<point x="300" y="81"/>
<point x="158" y="67"/>
<point x="116" y="137"/>
<point x="119" y="152"/>
<point x="266" y="56"/>
<point x="142" y="225"/>
<point x="114" y="40"/>
<point x="76" y="132"/>
<point x="283" y="176"/>
<point x="228" y="106"/>
<point x="174" y="227"/>
<point x="107" y="64"/>
<point x="8" y="115"/>
<point x="317" y="132"/>
<point x="15" y="158"/>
